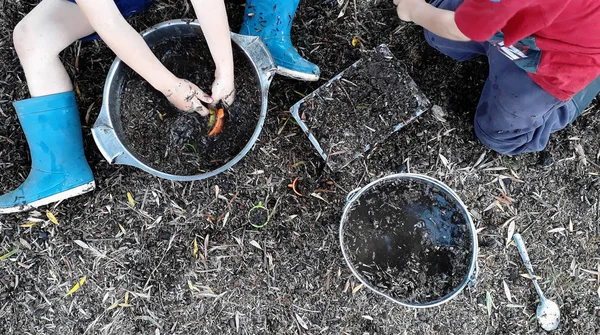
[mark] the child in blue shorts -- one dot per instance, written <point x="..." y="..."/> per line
<point x="50" y="118"/>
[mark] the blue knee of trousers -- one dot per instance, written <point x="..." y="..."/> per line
<point x="503" y="144"/>
<point x="495" y="128"/>
<point x="127" y="8"/>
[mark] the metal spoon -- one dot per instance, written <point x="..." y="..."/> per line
<point x="548" y="313"/>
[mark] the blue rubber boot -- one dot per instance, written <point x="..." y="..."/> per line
<point x="59" y="169"/>
<point x="271" y="20"/>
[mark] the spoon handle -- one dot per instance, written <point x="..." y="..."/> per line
<point x="523" y="252"/>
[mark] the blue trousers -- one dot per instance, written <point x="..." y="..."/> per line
<point x="514" y="114"/>
<point x="127" y="7"/>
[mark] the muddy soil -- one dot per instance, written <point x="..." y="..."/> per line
<point x="368" y="102"/>
<point x="177" y="142"/>
<point x="408" y="239"/>
<point x="290" y="277"/>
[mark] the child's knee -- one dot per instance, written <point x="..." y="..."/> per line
<point x="500" y="142"/>
<point x="508" y="138"/>
<point x="27" y="39"/>
<point x="22" y="36"/>
<point x="33" y="38"/>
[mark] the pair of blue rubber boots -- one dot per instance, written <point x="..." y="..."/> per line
<point x="59" y="169"/>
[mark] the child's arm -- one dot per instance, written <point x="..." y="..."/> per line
<point x="212" y="17"/>
<point x="438" y="21"/>
<point x="131" y="48"/>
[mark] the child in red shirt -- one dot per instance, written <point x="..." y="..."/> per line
<point x="544" y="58"/>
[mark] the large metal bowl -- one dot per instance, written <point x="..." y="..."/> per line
<point x="108" y="131"/>
<point x="435" y="217"/>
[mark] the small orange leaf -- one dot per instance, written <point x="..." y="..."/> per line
<point x="354" y="41"/>
<point x="219" y="124"/>
<point x="503" y="199"/>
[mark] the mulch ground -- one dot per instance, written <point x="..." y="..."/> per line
<point x="142" y="276"/>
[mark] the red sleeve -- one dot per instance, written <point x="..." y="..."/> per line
<point x="481" y="19"/>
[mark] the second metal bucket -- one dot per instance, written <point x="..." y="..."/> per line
<point x="108" y="131"/>
<point x="409" y="238"/>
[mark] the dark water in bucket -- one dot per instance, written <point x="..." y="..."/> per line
<point x="409" y="240"/>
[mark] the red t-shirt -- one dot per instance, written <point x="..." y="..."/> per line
<point x="567" y="32"/>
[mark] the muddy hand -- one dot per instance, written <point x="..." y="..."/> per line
<point x="188" y="97"/>
<point x="223" y="89"/>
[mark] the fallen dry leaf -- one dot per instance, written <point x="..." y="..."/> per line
<point x="556" y="230"/>
<point x="510" y="233"/>
<point x="301" y="322"/>
<point x="130" y="199"/>
<point x="526" y="275"/>
<point x="24" y="243"/>
<point x="8" y="254"/>
<point x="77" y="286"/>
<point x="507" y="291"/>
<point x="488" y="302"/>
<point x="570" y="225"/>
<point x="255" y="244"/>
<point x="503" y="199"/>
<point x="51" y="217"/>
<point x="195" y="248"/>
<point x="319" y="197"/>
<point x="444" y="160"/>
<point x="113" y="306"/>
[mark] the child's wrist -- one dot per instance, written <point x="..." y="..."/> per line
<point x="225" y="70"/>
<point x="166" y="85"/>
<point x="418" y="10"/>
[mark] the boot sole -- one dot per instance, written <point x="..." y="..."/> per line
<point x="79" y="190"/>
<point x="296" y="74"/>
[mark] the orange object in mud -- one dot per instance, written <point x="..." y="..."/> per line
<point x="219" y="124"/>
<point x="294" y="187"/>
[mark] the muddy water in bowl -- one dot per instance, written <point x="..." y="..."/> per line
<point x="409" y="240"/>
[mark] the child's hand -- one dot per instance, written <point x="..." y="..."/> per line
<point x="223" y="89"/>
<point x="406" y="8"/>
<point x="188" y="97"/>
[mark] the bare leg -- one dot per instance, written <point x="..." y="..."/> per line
<point x="39" y="38"/>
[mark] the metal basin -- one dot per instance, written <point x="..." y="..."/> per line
<point x="415" y="224"/>
<point x="108" y="131"/>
